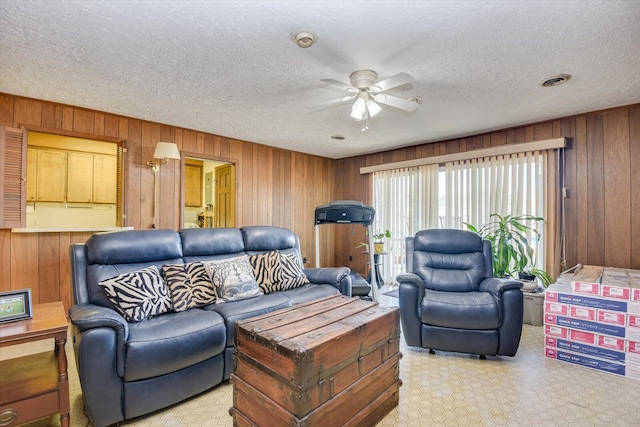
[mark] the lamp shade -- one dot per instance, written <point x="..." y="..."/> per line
<point x="166" y="150"/>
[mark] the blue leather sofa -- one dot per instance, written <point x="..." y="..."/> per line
<point x="130" y="369"/>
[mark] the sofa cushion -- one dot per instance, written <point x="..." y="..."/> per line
<point x="233" y="278"/>
<point x="462" y="310"/>
<point x="171" y="342"/>
<point x="189" y="284"/>
<point x="139" y="294"/>
<point x="292" y="274"/>
<point x="244" y="309"/>
<point x="267" y="270"/>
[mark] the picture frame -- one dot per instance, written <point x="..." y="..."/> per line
<point x="15" y="305"/>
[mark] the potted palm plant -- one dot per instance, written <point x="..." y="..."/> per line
<point x="512" y="253"/>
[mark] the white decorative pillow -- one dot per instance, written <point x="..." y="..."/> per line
<point x="232" y="278"/>
<point x="139" y="294"/>
<point x="292" y="274"/>
<point x="189" y="284"/>
<point x="267" y="270"/>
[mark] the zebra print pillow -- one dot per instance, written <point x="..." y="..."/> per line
<point x="189" y="284"/>
<point x="292" y="274"/>
<point x="267" y="270"/>
<point x="232" y="278"/>
<point x="139" y="294"/>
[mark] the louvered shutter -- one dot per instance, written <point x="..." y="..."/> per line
<point x="13" y="170"/>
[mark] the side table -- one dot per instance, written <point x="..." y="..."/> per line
<point x="37" y="385"/>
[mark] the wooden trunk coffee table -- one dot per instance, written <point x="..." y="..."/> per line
<point x="329" y="362"/>
<point x="37" y="385"/>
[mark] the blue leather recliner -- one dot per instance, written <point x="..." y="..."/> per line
<point x="450" y="301"/>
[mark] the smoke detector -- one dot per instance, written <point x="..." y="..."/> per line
<point x="555" y="80"/>
<point x="304" y="38"/>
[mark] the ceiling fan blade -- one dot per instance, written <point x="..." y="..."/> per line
<point x="333" y="101"/>
<point x="393" y="81"/>
<point x="341" y="85"/>
<point x="395" y="102"/>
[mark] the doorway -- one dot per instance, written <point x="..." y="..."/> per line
<point x="208" y="193"/>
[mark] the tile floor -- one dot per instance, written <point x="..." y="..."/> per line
<point x="449" y="389"/>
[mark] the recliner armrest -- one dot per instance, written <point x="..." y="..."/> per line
<point x="90" y="316"/>
<point x="335" y="276"/>
<point x="497" y="286"/>
<point x="410" y="278"/>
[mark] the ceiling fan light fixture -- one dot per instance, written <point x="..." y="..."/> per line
<point x="373" y="108"/>
<point x="359" y="109"/>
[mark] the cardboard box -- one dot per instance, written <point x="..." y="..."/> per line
<point x="633" y="307"/>
<point x="564" y="295"/>
<point x="582" y="360"/>
<point x="587" y="280"/>
<point x="556" y="331"/>
<point x="556" y="308"/>
<point x="585" y="313"/>
<point x="633" y="321"/>
<point x="612" y="317"/>
<point x="612" y="343"/>
<point x="583" y="337"/>
<point x="633" y="351"/>
<point x="586" y="325"/>
<point x="633" y="371"/>
<point x="589" y="350"/>
<point x="615" y="283"/>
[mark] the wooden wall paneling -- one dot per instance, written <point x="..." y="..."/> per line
<point x="84" y="121"/>
<point x="596" y="189"/>
<point x="246" y="213"/>
<point x="5" y="260"/>
<point x="225" y="148"/>
<point x="286" y="205"/>
<point x="24" y="263"/>
<point x="263" y="184"/>
<point x="617" y="197"/>
<point x="634" y="153"/>
<point x="48" y="261"/>
<point x="498" y="138"/>
<point x="208" y="144"/>
<point x="277" y="187"/>
<point x="199" y="142"/>
<point x="571" y="202"/>
<point x="135" y="168"/>
<point x="27" y="112"/>
<point x="147" y="187"/>
<point x="67" y="118"/>
<point x="235" y="152"/>
<point x="52" y="116"/>
<point x="98" y="123"/>
<point x="6" y="110"/>
<point x="64" y="278"/>
<point x="581" y="191"/>
<point x="543" y="131"/>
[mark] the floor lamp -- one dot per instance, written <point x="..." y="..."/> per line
<point x="164" y="151"/>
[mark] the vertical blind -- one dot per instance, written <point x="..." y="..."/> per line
<point x="411" y="199"/>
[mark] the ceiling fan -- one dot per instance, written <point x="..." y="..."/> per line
<point x="367" y="92"/>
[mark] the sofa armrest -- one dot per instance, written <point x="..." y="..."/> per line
<point x="335" y="276"/>
<point x="89" y="316"/>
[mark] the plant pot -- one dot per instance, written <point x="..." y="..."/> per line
<point x="378" y="247"/>
<point x="526" y="276"/>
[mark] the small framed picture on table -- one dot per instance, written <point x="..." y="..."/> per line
<point x="15" y="305"/>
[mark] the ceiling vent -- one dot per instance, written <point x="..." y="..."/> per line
<point x="555" y="80"/>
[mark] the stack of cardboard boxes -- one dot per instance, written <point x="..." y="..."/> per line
<point x="592" y="319"/>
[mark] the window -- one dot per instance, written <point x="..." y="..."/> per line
<point x="466" y="191"/>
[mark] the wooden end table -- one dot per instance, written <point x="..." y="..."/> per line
<point x="37" y="385"/>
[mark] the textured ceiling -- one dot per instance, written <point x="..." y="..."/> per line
<point x="230" y="67"/>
